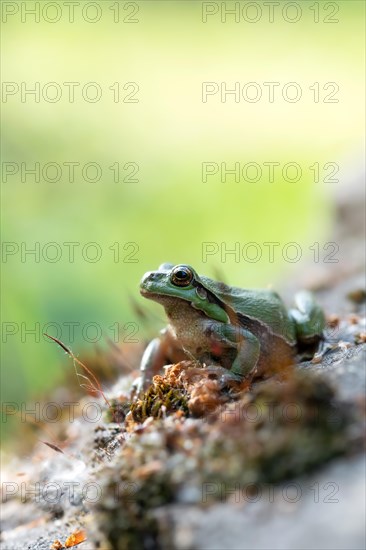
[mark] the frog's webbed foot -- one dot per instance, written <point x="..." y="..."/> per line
<point x="226" y="379"/>
<point x="323" y="348"/>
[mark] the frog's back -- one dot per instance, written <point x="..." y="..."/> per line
<point x="259" y="306"/>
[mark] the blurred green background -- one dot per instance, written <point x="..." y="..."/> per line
<point x="168" y="211"/>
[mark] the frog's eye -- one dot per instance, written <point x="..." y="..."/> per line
<point x="181" y="276"/>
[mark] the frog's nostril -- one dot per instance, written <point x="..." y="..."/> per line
<point x="149" y="276"/>
<point x="145" y="278"/>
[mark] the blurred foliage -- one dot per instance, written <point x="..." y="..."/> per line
<point x="169" y="212"/>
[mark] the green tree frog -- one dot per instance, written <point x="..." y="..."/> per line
<point x="237" y="333"/>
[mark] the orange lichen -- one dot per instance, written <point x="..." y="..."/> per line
<point x="75" y="538"/>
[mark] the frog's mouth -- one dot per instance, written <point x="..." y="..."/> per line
<point x="145" y="292"/>
<point x="162" y="298"/>
<point x="150" y="294"/>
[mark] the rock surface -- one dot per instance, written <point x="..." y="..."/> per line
<point x="321" y="510"/>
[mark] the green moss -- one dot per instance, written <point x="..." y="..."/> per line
<point x="160" y="399"/>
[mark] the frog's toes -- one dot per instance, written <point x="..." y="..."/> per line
<point x="214" y="371"/>
<point x="225" y="378"/>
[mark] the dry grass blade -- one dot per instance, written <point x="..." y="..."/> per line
<point x="94" y="384"/>
<point x="54" y="447"/>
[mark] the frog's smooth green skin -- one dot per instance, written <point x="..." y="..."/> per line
<point x="248" y="332"/>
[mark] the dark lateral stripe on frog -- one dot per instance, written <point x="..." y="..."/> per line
<point x="258" y="327"/>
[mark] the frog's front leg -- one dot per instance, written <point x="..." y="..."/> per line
<point x="151" y="362"/>
<point x="246" y="344"/>
<point x="153" y="359"/>
<point x="308" y="317"/>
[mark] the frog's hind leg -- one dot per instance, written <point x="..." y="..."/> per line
<point x="308" y="318"/>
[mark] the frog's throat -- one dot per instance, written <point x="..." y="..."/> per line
<point x="212" y="310"/>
